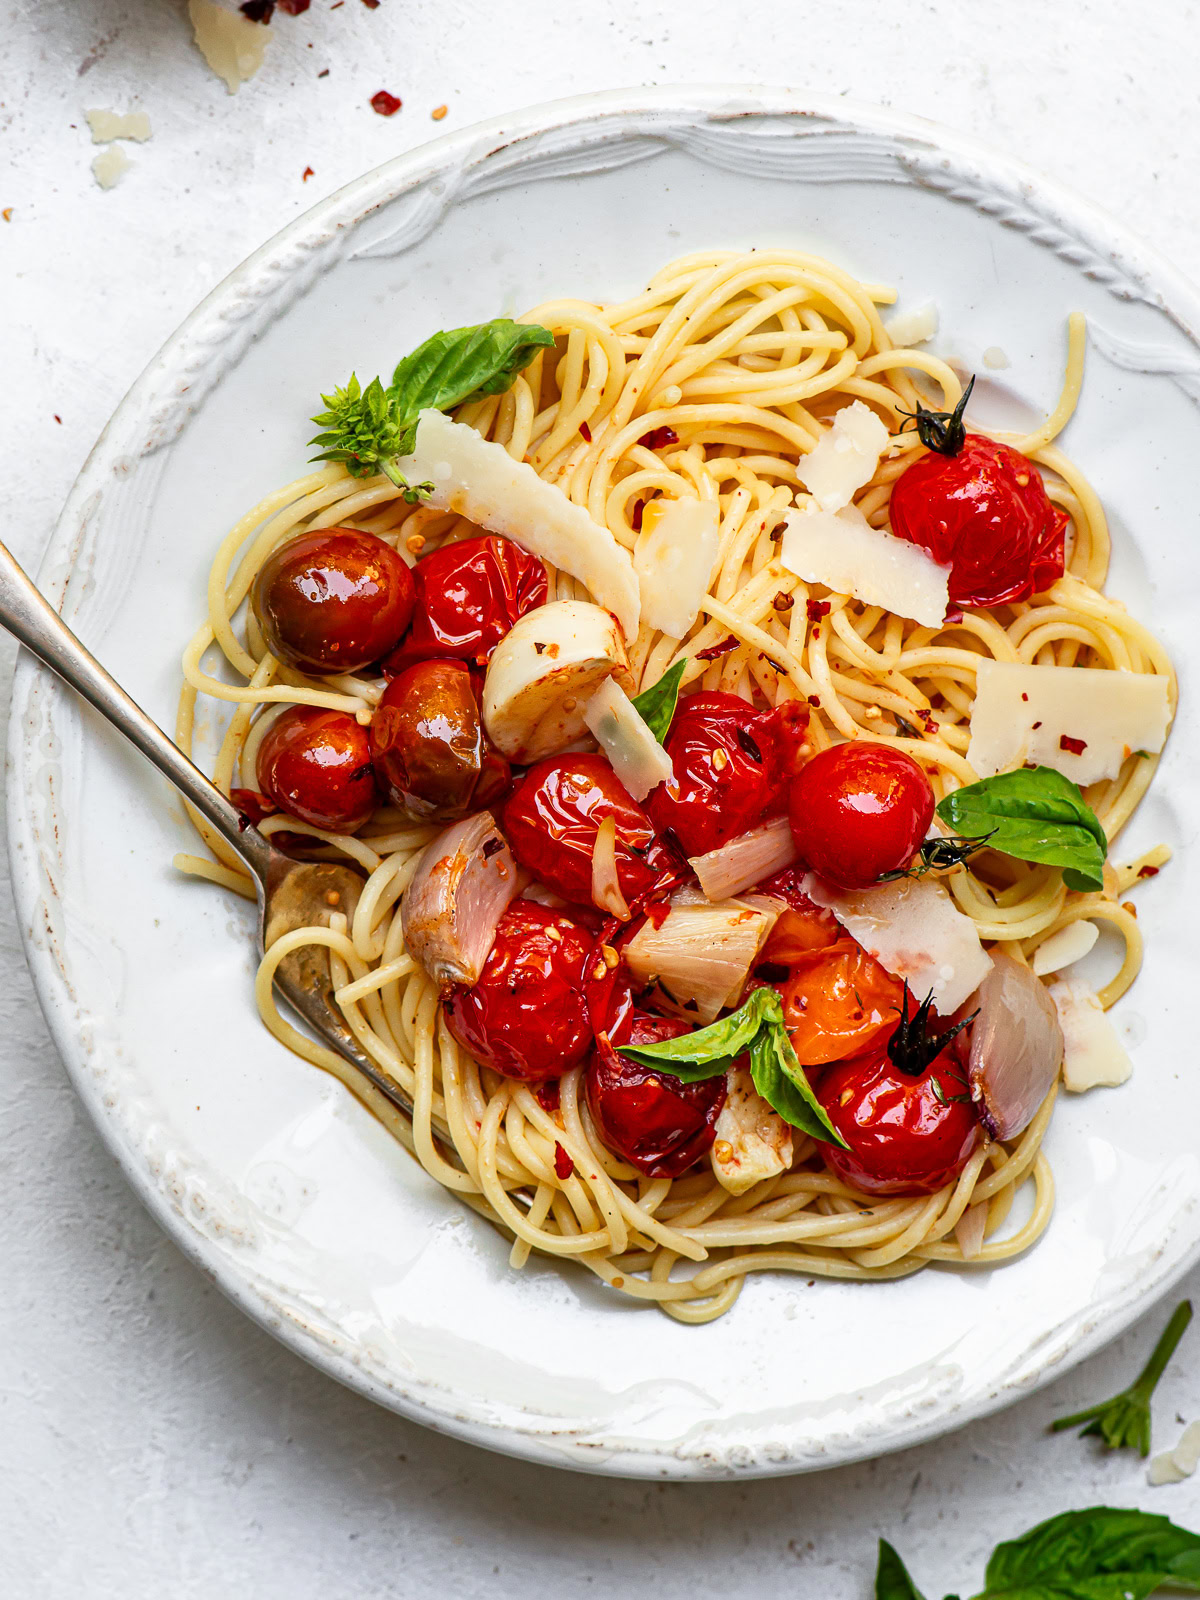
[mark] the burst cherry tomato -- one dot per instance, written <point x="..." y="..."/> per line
<point x="837" y="1001"/>
<point x="526" y="1017"/>
<point x="316" y="765"/>
<point x="802" y="927"/>
<point x="468" y="595"/>
<point x="657" y="1123"/>
<point x="983" y="512"/>
<point x="731" y="766"/>
<point x="428" y="746"/>
<point x="552" y="818"/>
<point x="907" y="1133"/>
<point x="859" y="810"/>
<point x="333" y="600"/>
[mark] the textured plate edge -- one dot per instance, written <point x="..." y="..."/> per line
<point x="320" y="225"/>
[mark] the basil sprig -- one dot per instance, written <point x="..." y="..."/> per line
<point x="1034" y="814"/>
<point x="1124" y="1421"/>
<point x="656" y="705"/>
<point x="757" y="1028"/>
<point x="370" y="428"/>
<point x="1102" y="1553"/>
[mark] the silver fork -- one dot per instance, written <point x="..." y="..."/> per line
<point x="291" y="894"/>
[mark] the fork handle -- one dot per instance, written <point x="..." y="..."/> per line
<point x="27" y="614"/>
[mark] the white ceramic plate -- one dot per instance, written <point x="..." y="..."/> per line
<point x="268" y="1174"/>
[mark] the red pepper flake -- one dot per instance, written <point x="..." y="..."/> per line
<point x="386" y="104"/>
<point x="371" y="5"/>
<point x="307" y="174"/>
<point x="439" y="112"/>
<point x="1148" y="872"/>
<point x="7" y="213"/>
<point x="1036" y="726"/>
<point x="1024" y="697"/>
<point x="564" y="1167"/>
<point x="324" y="72"/>
<point x="547" y="1095"/>
<point x="585" y="431"/>
<point x="257" y="10"/>
<point x="1074" y="747"/>
<point x="816" y="633"/>
<point x="816" y="609"/>
<point x="58" y="419"/>
<point x="658" y="438"/>
<point x="294" y="8"/>
<point x="715" y="650"/>
<point x="635" y="521"/>
<point x="814" y="699"/>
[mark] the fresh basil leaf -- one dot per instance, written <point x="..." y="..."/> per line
<point x="708" y="1051"/>
<point x="461" y="364"/>
<point x="892" y="1581"/>
<point x="1034" y="814"/>
<point x="1102" y="1553"/>
<point x="656" y="705"/>
<point x="1124" y="1421"/>
<point x="783" y="1082"/>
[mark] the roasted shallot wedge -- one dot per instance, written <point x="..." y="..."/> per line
<point x="698" y="957"/>
<point x="1016" y="1047"/>
<point x="746" y="860"/>
<point x="460" y="890"/>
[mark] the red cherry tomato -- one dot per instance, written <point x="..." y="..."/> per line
<point x="526" y="1016"/>
<point x="551" y="822"/>
<point x="657" y="1123"/>
<point x="731" y="766"/>
<point x="906" y="1135"/>
<point x="316" y="765"/>
<point x="837" y="1001"/>
<point x="984" y="513"/>
<point x="859" y="810"/>
<point x="428" y="746"/>
<point x="468" y="595"/>
<point x="333" y="600"/>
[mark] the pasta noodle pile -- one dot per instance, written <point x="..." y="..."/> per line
<point x="744" y="358"/>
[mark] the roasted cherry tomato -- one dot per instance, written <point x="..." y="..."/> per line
<point x="552" y="818"/>
<point x="859" y="810"/>
<point x="468" y="595"/>
<point x="316" y="765"/>
<point x="526" y="1016"/>
<point x="732" y="764"/>
<point x="430" y="752"/>
<point x="802" y="927"/>
<point x="333" y="600"/>
<point x="907" y="1134"/>
<point x="837" y="1001"/>
<point x="657" y="1123"/>
<point x="983" y="512"/>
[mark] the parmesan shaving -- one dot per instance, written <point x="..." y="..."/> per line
<point x="1093" y="1055"/>
<point x="907" y="328"/>
<point x="1173" y="1466"/>
<point x="110" y="166"/>
<point x="1082" y="721"/>
<point x="1064" y="948"/>
<point x="913" y="928"/>
<point x="232" y="45"/>
<point x="845" y="458"/>
<point x="634" y="753"/>
<point x="109" y="125"/>
<point x="845" y="553"/>
<point x="479" y="480"/>
<point x="674" y="561"/>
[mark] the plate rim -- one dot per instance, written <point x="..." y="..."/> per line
<point x="327" y="220"/>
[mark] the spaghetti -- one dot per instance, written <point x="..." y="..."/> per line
<point x="713" y="383"/>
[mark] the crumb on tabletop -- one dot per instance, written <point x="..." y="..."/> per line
<point x="7" y="213"/>
<point x="385" y="104"/>
<point x="439" y="112"/>
<point x="110" y="166"/>
<point x="307" y="174"/>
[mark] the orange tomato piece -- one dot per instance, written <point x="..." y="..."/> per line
<point x="837" y="1001"/>
<point x="797" y="932"/>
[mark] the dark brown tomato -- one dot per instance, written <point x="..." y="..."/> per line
<point x="316" y="765"/>
<point x="526" y="1016"/>
<point x="468" y="595"/>
<point x="333" y="600"/>
<point x="427" y="743"/>
<point x="552" y="818"/>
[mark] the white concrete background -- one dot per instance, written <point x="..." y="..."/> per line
<point x="152" y="1441"/>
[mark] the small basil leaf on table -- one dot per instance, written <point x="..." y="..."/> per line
<point x="656" y="705"/>
<point x="1102" y="1553"/>
<point x="758" y="1028"/>
<point x="1124" y="1421"/>
<point x="1034" y="814"/>
<point x="892" y="1581"/>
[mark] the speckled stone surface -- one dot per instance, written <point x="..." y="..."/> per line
<point x="151" y="1440"/>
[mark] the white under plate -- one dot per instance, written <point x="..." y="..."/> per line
<point x="267" y="1173"/>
